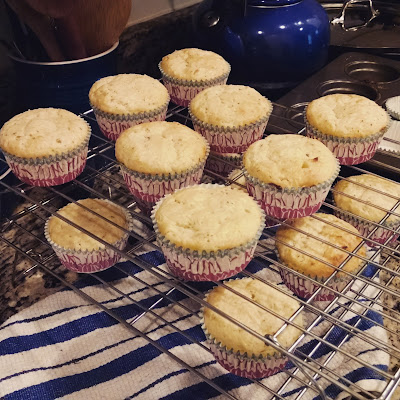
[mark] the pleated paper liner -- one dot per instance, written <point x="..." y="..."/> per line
<point x="302" y="286"/>
<point x="349" y="151"/>
<point x="381" y="235"/>
<point x="183" y="91"/>
<point x="391" y="139"/>
<point x="112" y="125"/>
<point x="223" y="164"/>
<point x="393" y="107"/>
<point x="147" y="189"/>
<point x="284" y="203"/>
<point x="235" y="139"/>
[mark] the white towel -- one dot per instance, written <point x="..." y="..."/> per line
<point x="63" y="347"/>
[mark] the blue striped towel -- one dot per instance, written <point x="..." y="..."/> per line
<point x="63" y="347"/>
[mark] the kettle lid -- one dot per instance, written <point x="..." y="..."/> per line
<point x="270" y="3"/>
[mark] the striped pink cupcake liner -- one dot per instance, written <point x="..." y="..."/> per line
<point x="195" y="265"/>
<point x="381" y="235"/>
<point x="90" y="261"/>
<point x="49" y="171"/>
<point x="147" y="189"/>
<point x="349" y="151"/>
<point x="230" y="140"/>
<point x="246" y="367"/>
<point x="223" y="164"/>
<point x="199" y="267"/>
<point x="284" y="203"/>
<point x="182" y="95"/>
<point x="112" y="125"/>
<point x="304" y="288"/>
<point x="183" y="91"/>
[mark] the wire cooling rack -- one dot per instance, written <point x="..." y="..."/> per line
<point x="101" y="179"/>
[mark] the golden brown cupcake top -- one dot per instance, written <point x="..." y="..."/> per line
<point x="372" y="197"/>
<point x="128" y="94"/>
<point x="346" y="115"/>
<point x="194" y="65"/>
<point x="263" y="322"/>
<point x="161" y="148"/>
<point x="230" y="105"/>
<point x="290" y="161"/>
<point x="324" y="227"/>
<point x="66" y="236"/>
<point x="43" y="132"/>
<point x="209" y="217"/>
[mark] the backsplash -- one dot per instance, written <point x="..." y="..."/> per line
<point x="149" y="9"/>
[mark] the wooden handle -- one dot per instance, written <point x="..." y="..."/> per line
<point x="41" y="26"/>
<point x="101" y="28"/>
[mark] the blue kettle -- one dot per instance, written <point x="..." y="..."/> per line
<point x="276" y="42"/>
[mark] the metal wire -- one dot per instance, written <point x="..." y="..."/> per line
<point x="102" y="180"/>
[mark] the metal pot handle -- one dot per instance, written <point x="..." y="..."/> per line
<point x="340" y="20"/>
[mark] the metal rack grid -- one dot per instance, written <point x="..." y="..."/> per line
<point x="101" y="179"/>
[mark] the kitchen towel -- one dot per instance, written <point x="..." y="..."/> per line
<point x="63" y="347"/>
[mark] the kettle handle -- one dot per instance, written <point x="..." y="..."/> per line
<point x="340" y="20"/>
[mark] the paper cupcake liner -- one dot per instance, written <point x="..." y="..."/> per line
<point x="252" y="367"/>
<point x="303" y="287"/>
<point x="284" y="203"/>
<point x="231" y="139"/>
<point x="244" y="366"/>
<point x="393" y="107"/>
<point x="50" y="170"/>
<point x="183" y="91"/>
<point x="194" y="265"/>
<point x="112" y="125"/>
<point x="223" y="164"/>
<point x="89" y="261"/>
<point x="349" y="151"/>
<point x="381" y="235"/>
<point x="391" y="139"/>
<point x="147" y="189"/>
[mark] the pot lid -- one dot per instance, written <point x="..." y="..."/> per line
<point x="270" y="3"/>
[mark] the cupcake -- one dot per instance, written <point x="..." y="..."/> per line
<point x="223" y="164"/>
<point x="45" y="146"/>
<point x="187" y="72"/>
<point x="376" y="203"/>
<point x="236" y="349"/>
<point x="125" y="100"/>
<point x="301" y="247"/>
<point x="157" y="158"/>
<point x="351" y="126"/>
<point x="77" y="250"/>
<point x="289" y="175"/>
<point x="230" y="117"/>
<point x="207" y="232"/>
